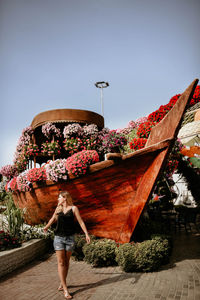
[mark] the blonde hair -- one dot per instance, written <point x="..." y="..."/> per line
<point x="68" y="198"/>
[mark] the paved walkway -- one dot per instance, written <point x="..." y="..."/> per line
<point x="178" y="280"/>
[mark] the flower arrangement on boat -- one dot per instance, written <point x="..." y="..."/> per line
<point x="137" y="143"/>
<point x="79" y="162"/>
<point x="31" y="150"/>
<point x="51" y="148"/>
<point x="50" y="130"/>
<point x="57" y="170"/>
<point x="37" y="174"/>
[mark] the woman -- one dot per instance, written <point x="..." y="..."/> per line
<point x="64" y="235"/>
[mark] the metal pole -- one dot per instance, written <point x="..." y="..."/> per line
<point x="102" y="85"/>
<point x="102" y="108"/>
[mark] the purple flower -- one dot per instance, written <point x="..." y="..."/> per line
<point x="56" y="170"/>
<point x="49" y="129"/>
<point x="72" y="130"/>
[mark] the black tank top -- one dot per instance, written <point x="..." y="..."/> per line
<point x="65" y="224"/>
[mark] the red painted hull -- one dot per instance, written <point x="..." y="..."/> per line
<point x="112" y="196"/>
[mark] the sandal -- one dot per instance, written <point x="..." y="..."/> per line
<point x="60" y="288"/>
<point x="67" y="295"/>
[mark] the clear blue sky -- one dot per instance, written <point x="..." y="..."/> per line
<point x="52" y="53"/>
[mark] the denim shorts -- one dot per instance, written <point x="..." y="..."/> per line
<point x="63" y="243"/>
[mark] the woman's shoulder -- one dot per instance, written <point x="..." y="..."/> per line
<point x="74" y="208"/>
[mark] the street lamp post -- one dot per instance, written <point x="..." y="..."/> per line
<point x="102" y="85"/>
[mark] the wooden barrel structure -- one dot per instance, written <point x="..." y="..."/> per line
<point x="61" y="117"/>
<point x="67" y="116"/>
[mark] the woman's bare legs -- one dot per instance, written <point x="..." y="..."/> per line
<point x="67" y="259"/>
<point x="63" y="258"/>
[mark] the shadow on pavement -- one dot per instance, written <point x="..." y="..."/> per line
<point x="104" y="282"/>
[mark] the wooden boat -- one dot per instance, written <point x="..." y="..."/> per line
<point x="112" y="196"/>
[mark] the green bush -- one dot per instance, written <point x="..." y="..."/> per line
<point x="100" y="253"/>
<point x="125" y="257"/>
<point x="151" y="254"/>
<point x="164" y="237"/>
<point x="14" y="216"/>
<point x="80" y="241"/>
<point x="146" y="256"/>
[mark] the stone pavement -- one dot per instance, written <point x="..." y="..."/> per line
<point x="180" y="279"/>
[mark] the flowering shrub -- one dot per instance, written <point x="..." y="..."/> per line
<point x="8" y="171"/>
<point x="159" y="114"/>
<point x="196" y="96"/>
<point x="137" y="143"/>
<point x="21" y="162"/>
<point x="173" y="160"/>
<point x="72" y="145"/>
<point x="98" y="141"/>
<point x="89" y="144"/>
<point x="23" y="141"/>
<point x="7" y="241"/>
<point x="140" y="121"/>
<point x="113" y="142"/>
<point x="37" y="174"/>
<point x="56" y="170"/>
<point x="20" y="157"/>
<point x="72" y="130"/>
<point x="50" y="130"/>
<point x="13" y="184"/>
<point x="31" y="150"/>
<point x="78" y="163"/>
<point x="124" y="131"/>
<point x="23" y="183"/>
<point x="172" y="165"/>
<point x="131" y="124"/>
<point x="90" y="130"/>
<point x="25" y="138"/>
<point x="2" y="189"/>
<point x="144" y="129"/>
<point x="174" y="99"/>
<point x="52" y="148"/>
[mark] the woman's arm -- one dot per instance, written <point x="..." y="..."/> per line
<point x="82" y="224"/>
<point x="51" y="221"/>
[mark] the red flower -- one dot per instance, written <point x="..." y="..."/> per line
<point x="78" y="163"/>
<point x="144" y="129"/>
<point x="37" y="174"/>
<point x="137" y="143"/>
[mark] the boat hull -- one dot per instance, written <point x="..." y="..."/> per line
<point x="103" y="197"/>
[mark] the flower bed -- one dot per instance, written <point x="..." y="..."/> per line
<point x="7" y="241"/>
<point x="13" y="259"/>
